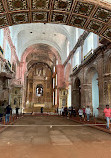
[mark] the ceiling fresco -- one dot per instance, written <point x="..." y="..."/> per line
<point x="90" y="15"/>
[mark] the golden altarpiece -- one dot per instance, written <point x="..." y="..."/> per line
<point x="39" y="86"/>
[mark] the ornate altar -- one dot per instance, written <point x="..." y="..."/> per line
<point x="39" y="86"/>
<point x="63" y="97"/>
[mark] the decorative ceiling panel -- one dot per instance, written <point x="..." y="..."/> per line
<point x="18" y="18"/>
<point x="95" y="26"/>
<point x="3" y="20"/>
<point x="83" y="8"/>
<point x="107" y="33"/>
<point x="63" y="5"/>
<point x="1" y="7"/>
<point x="17" y="5"/>
<point x="39" y="16"/>
<point x="40" y="4"/>
<point x="102" y="14"/>
<point x="59" y="17"/>
<point x="78" y="21"/>
<point x="73" y="12"/>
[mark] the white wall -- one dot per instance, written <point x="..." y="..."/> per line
<point x="8" y="52"/>
<point x="69" y="97"/>
<point x="91" y="42"/>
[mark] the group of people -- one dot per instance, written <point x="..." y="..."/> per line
<point x="83" y="112"/>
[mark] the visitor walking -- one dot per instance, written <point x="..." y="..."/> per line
<point x="74" y="112"/>
<point x="107" y="112"/>
<point x="8" y="112"/>
<point x="65" y="111"/>
<point x="41" y="110"/>
<point x="88" y="112"/>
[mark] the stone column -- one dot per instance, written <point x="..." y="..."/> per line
<point x="87" y="94"/>
<point x="60" y="79"/>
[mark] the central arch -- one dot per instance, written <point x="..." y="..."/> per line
<point x="77" y="93"/>
<point x="91" y="79"/>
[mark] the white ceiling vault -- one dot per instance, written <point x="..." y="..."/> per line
<point x="60" y="37"/>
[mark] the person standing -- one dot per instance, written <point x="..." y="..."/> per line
<point x="17" y="109"/>
<point x="80" y="111"/>
<point x="88" y="111"/>
<point x="8" y="112"/>
<point x="74" y="112"/>
<point x="71" y="111"/>
<point x="84" y="112"/>
<point x="41" y="110"/>
<point x="62" y="111"/>
<point x="107" y="112"/>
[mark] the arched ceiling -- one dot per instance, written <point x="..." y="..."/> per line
<point x="42" y="53"/>
<point x="29" y="34"/>
<point x="91" y="15"/>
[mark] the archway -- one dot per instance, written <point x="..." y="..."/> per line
<point x="92" y="90"/>
<point x="95" y="94"/>
<point x="77" y="94"/>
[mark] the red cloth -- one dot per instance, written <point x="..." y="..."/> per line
<point x="107" y="112"/>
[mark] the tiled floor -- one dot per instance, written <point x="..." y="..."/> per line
<point x="48" y="141"/>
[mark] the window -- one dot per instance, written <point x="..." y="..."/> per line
<point x="67" y="48"/>
<point x="90" y="42"/>
<point x="7" y="52"/>
<point x="76" y="58"/>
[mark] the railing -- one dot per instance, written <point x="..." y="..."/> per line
<point x="88" y="54"/>
<point x="1" y="50"/>
<point x="4" y="65"/>
<point x="75" y="67"/>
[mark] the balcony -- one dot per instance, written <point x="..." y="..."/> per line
<point x="5" y="69"/>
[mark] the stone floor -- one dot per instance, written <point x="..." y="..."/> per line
<point x="28" y="140"/>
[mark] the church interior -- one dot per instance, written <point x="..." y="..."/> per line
<point x="55" y="54"/>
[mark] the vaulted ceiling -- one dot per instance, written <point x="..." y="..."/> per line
<point x="91" y="15"/>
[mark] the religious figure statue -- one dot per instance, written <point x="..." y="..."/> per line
<point x="39" y="91"/>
